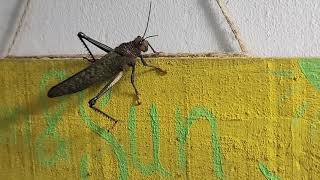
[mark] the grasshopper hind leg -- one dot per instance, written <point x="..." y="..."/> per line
<point x="98" y="44"/>
<point x="91" y="105"/>
<point x="105" y="89"/>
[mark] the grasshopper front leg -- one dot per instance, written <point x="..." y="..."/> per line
<point x="150" y="65"/>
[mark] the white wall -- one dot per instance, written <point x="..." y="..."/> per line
<point x="270" y="28"/>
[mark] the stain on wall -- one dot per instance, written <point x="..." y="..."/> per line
<point x="213" y="118"/>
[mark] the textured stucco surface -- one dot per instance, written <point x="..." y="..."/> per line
<point x="237" y="118"/>
<point x="270" y="28"/>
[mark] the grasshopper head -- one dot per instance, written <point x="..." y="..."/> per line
<point x="141" y="44"/>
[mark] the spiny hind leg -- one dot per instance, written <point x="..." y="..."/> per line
<point x="105" y="89"/>
<point x="98" y="44"/>
<point x="88" y="59"/>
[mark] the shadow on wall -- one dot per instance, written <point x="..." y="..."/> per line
<point x="212" y="18"/>
<point x="9" y="28"/>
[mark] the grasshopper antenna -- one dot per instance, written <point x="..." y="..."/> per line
<point x="151" y="36"/>
<point x="147" y="21"/>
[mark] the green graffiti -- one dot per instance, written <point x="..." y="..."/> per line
<point x="286" y="95"/>
<point x="52" y="120"/>
<point x="283" y="73"/>
<point x="299" y="112"/>
<point x="105" y="99"/>
<point x="26" y="128"/>
<point x="11" y="115"/>
<point x="266" y="172"/>
<point x="2" y="138"/>
<point x="84" y="170"/>
<point x="311" y="69"/>
<point x="108" y="137"/>
<point x="14" y="133"/>
<point x="314" y="126"/>
<point x="182" y="130"/>
<point x="156" y="164"/>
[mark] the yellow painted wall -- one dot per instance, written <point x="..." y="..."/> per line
<point x="207" y="118"/>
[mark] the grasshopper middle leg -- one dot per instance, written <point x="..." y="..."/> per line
<point x="133" y="84"/>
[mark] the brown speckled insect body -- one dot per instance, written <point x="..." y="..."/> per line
<point x="109" y="68"/>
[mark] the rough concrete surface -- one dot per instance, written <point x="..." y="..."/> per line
<point x="207" y="118"/>
<point x="269" y="28"/>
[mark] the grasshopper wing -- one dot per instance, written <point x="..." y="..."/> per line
<point x="102" y="70"/>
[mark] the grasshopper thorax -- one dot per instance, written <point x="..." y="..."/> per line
<point x="133" y="48"/>
<point x="141" y="44"/>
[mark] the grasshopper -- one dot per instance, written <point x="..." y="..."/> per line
<point x="108" y="69"/>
